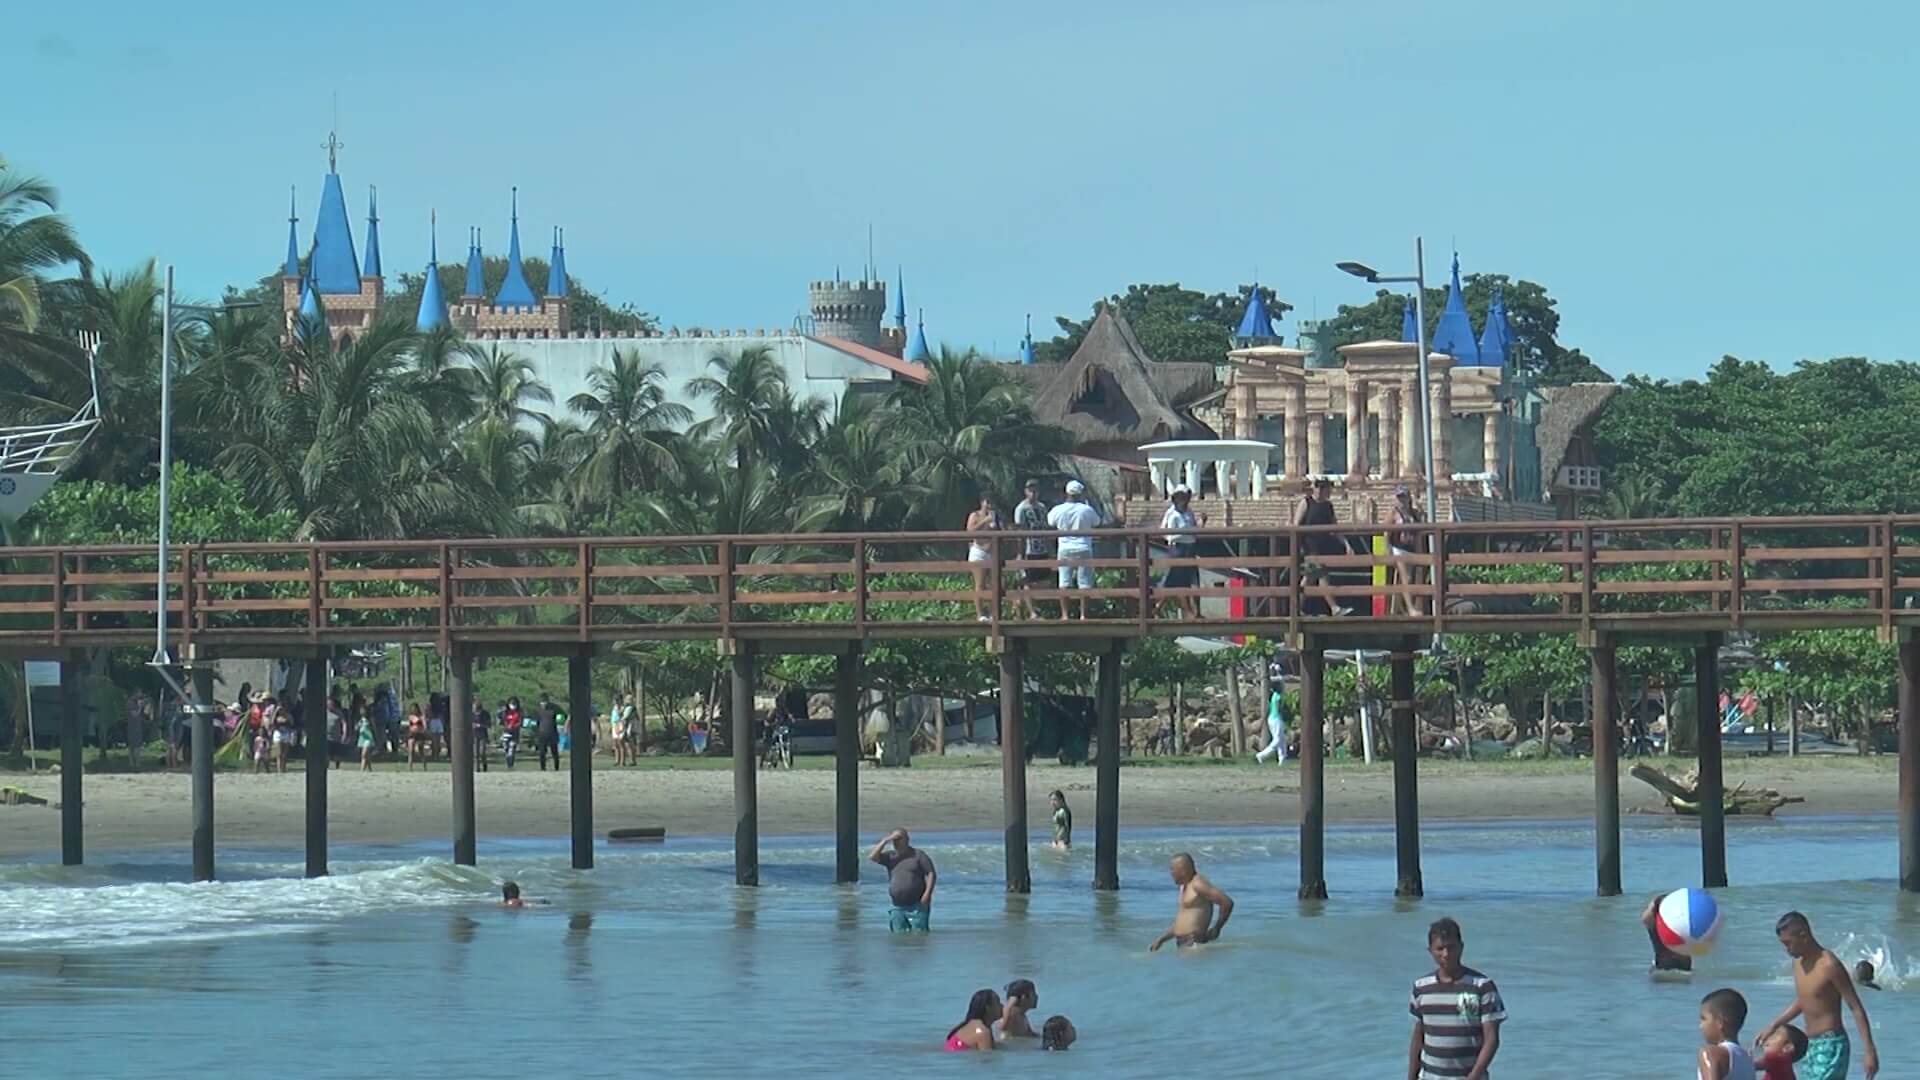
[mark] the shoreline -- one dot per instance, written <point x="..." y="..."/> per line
<point x="152" y="811"/>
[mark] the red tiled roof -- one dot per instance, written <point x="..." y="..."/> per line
<point x="912" y="372"/>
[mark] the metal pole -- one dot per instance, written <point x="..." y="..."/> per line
<point x="1606" y="771"/>
<point x="202" y="751"/>
<point x="1910" y="765"/>
<point x="1712" y="791"/>
<point x="746" y="794"/>
<point x="459" y="682"/>
<point x="72" y="841"/>
<point x="580" y="757"/>
<point x="1406" y="777"/>
<point x="166" y="469"/>
<point x="1313" y="780"/>
<point x="1106" y="775"/>
<point x="313" y="716"/>
<point x="846" y="767"/>
<point x="1426" y="387"/>
<point x="1013" y="765"/>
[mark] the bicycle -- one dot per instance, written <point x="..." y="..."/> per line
<point x="778" y="752"/>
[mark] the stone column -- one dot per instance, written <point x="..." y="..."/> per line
<point x="1316" y="425"/>
<point x="1296" y="416"/>
<point x="1223" y="479"/>
<point x="1193" y="476"/>
<point x="1413" y="460"/>
<point x="1389" y="433"/>
<point x="1487" y="456"/>
<point x="1246" y="410"/>
<point x="1356" y="430"/>
<point x="1442" y="424"/>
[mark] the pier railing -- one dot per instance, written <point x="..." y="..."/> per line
<point x="1654" y="576"/>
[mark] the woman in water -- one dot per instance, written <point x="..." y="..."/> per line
<point x="1022" y="998"/>
<point x="976" y="1031"/>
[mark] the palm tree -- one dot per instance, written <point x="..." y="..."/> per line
<point x="1631" y="497"/>
<point x="632" y="430"/>
<point x="33" y="241"/>
<point x="857" y="466"/>
<point x="748" y="395"/>
<point x="969" y="431"/>
<point x="505" y="386"/>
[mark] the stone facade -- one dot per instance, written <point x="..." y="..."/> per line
<point x="347" y="313"/>
<point x="851" y="311"/>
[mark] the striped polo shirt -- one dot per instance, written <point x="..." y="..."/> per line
<point x="1450" y="1014"/>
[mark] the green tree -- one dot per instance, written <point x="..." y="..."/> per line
<point x="969" y="430"/>
<point x="34" y="242"/>
<point x="632" y="443"/>
<point x="749" y="393"/>
<point x="1172" y="323"/>
<point x="205" y="508"/>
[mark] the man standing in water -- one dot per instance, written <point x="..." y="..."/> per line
<point x="1193" y="919"/>
<point x="1820" y="984"/>
<point x="910" y="881"/>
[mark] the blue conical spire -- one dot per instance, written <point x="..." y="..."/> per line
<point x="557" y="266"/>
<point x="1409" y="326"/>
<point x="312" y="317"/>
<point x="292" y="269"/>
<point x="1496" y="338"/>
<point x="1454" y="335"/>
<point x="515" y="292"/>
<point x="332" y="265"/>
<point x="433" y="307"/>
<point x="476" y="280"/>
<point x="900" y="300"/>
<point x="1026" y="343"/>
<point x="1256" y="324"/>
<point x="917" y="351"/>
<point x="372" y="267"/>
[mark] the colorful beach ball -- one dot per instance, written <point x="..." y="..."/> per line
<point x="1687" y="921"/>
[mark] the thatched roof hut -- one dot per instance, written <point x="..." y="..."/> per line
<point x="1565" y="434"/>
<point x="1113" y="398"/>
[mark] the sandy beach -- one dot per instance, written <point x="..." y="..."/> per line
<point x="132" y="811"/>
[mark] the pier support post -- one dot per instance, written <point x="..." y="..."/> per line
<point x="313" y="717"/>
<point x="746" y="793"/>
<point x="459" y="677"/>
<point x="1606" y="771"/>
<point x="846" y="767"/>
<point x="580" y="756"/>
<point x="1406" y="778"/>
<point x="200" y="717"/>
<point x="1910" y="763"/>
<point x="1313" y="766"/>
<point x="1013" y="764"/>
<point x="72" y="842"/>
<point x="1106" y="795"/>
<point x="1713" y="810"/>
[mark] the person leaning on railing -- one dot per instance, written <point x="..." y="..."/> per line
<point x="1316" y="508"/>
<point x="1405" y="545"/>
<point x="1180" y="545"/>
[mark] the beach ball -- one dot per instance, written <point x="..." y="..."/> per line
<point x="1687" y="921"/>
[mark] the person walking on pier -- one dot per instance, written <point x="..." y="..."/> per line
<point x="1076" y="547"/>
<point x="910" y="882"/>
<point x="1199" y="898"/>
<point x="1317" y="509"/>
<point x="1031" y="515"/>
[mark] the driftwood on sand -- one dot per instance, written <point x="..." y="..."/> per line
<point x="13" y="796"/>
<point x="1683" y="795"/>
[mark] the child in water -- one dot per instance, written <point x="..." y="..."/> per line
<point x="1723" y="1058"/>
<point x="1057" y="1033"/>
<point x="1664" y="959"/>
<point x="1062" y="820"/>
<point x="510" y="895"/>
<point x="1779" y="1051"/>
<point x="1863" y="975"/>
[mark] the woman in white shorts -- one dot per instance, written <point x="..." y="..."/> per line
<point x="983" y="519"/>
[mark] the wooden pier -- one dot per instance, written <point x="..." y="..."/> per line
<point x="1684" y="583"/>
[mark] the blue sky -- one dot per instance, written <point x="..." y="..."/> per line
<point x="1688" y="179"/>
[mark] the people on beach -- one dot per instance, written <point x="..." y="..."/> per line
<point x="1062" y="819"/>
<point x="482" y="722"/>
<point x="1199" y="898"/>
<point x="1022" y="998"/>
<point x="1057" y="1033"/>
<point x="547" y="735"/>
<point x="1779" y="1052"/>
<point x="621" y="723"/>
<point x="1075" y="546"/>
<point x="1821" y="984"/>
<point x="984" y="519"/>
<point x="510" y="895"/>
<point x="437" y="705"/>
<point x="1178" y="519"/>
<point x="1723" y="1058"/>
<point x="1863" y="975"/>
<point x="1457" y="1013"/>
<point x="910" y="882"/>
<point x="1664" y="959"/>
<point x="1276" y="747"/>
<point x="1031" y="516"/>
<point x="363" y="738"/>
<point x="416" y="735"/>
<point x="976" y="1031"/>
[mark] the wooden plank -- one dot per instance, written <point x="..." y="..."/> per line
<point x="378" y="603"/>
<point x="1525" y="590"/>
<point x="561" y="600"/>
<point x="1791" y="554"/>
<point x="216" y="606"/>
<point x="515" y="573"/>
<point x="409" y="573"/>
<point x="238" y="577"/>
<point x="1656" y="587"/>
<point x="1615" y="556"/>
<point x="1509" y="558"/>
<point x="1767" y="585"/>
<point x="798" y="597"/>
<point x="618" y="600"/>
<point x="699" y="570"/>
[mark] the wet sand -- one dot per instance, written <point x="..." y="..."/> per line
<point x="130" y="811"/>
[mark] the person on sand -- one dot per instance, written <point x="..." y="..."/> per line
<point x="910" y="883"/>
<point x="1193" y="919"/>
<point x="1664" y="959"/>
<point x="482" y="723"/>
<point x="363" y="738"/>
<point x="1820" y="984"/>
<point x="547" y="735"/>
<point x="1057" y="1033"/>
<point x="976" y="1031"/>
<point x="510" y="895"/>
<point x="1457" y="1013"/>
<point x="1062" y="819"/>
<point x="1723" y="1058"/>
<point x="416" y="735"/>
<point x="1778" y="1053"/>
<point x="1022" y="998"/>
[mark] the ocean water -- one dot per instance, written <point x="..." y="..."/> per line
<point x="655" y="964"/>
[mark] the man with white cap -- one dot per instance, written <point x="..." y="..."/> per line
<point x="1076" y="547"/>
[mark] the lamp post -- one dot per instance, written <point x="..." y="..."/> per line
<point x="1419" y="281"/>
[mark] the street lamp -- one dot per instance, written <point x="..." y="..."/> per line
<point x="1419" y="281"/>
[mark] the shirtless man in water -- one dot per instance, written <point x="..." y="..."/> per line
<point x="1820" y="984"/>
<point x="1193" y="920"/>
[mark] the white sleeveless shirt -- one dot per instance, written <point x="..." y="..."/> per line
<point x="1739" y="1062"/>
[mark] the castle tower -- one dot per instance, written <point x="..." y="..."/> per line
<point x="347" y="300"/>
<point x="893" y="339"/>
<point x="849" y="310"/>
<point x="433" y="307"/>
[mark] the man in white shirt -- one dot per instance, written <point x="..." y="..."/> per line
<point x="1076" y="547"/>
